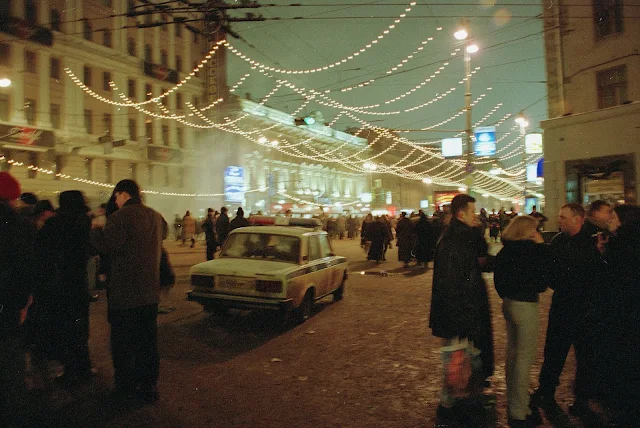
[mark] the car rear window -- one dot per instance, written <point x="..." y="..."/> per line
<point x="262" y="246"/>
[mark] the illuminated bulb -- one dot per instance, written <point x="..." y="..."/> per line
<point x="473" y="48"/>
<point x="461" y="34"/>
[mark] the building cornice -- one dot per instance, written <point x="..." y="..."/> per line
<point x="591" y="116"/>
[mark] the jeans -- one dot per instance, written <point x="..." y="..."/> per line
<point x="522" y="338"/>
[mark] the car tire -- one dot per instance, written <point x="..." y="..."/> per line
<point x="338" y="293"/>
<point x="303" y="312"/>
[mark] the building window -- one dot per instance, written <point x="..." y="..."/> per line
<point x="148" y="92"/>
<point x="179" y="101"/>
<point x="179" y="63"/>
<point x="147" y="53"/>
<point x="87" y="76"/>
<point x="87" y="30"/>
<point x="88" y="121"/>
<point x="132" y="88"/>
<point x="88" y="168"/>
<point x="165" y="100"/>
<point x="165" y="21"/>
<point x="4" y="107"/>
<point x="133" y="171"/>
<point x="30" y="62"/>
<point x="108" y="171"/>
<point x="148" y="18"/>
<point x="608" y="17"/>
<point x="166" y="176"/>
<point x="164" y="59"/>
<point x="5" y="54"/>
<point x="131" y="46"/>
<point x="165" y="135"/>
<point x="612" y="87"/>
<point x="133" y="130"/>
<point x="55" y="68"/>
<point x="131" y="5"/>
<point x="33" y="160"/>
<point x="30" y="111"/>
<point x="55" y="19"/>
<point x="30" y="12"/>
<point x="180" y="137"/>
<point x="196" y="101"/>
<point x="106" y="37"/>
<point x="106" y="78"/>
<point x="148" y="131"/>
<point x="59" y="167"/>
<point x="178" y="27"/>
<point x="55" y="116"/>
<point x="108" y="124"/>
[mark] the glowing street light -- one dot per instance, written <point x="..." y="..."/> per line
<point x="427" y="180"/>
<point x="472" y="48"/>
<point x="5" y="83"/>
<point x="461" y="34"/>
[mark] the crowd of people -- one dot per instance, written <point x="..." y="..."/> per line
<point x="592" y="267"/>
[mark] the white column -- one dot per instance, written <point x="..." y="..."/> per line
<point x="120" y="114"/>
<point x="44" y="17"/>
<point x="17" y="84"/>
<point x="79" y="25"/>
<point x="157" y="123"/>
<point x="119" y="21"/>
<point x="44" y="116"/>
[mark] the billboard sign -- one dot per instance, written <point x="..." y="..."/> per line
<point x="485" y="141"/>
<point x="533" y="143"/>
<point x="532" y="172"/>
<point x="451" y="147"/>
<point x="234" y="184"/>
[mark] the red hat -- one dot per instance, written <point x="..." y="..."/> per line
<point x="9" y="187"/>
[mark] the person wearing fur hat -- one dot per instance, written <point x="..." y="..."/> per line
<point x="62" y="296"/>
<point x="238" y="220"/>
<point x="16" y="285"/>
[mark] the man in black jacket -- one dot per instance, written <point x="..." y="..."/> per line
<point x="239" y="220"/>
<point x="577" y="264"/>
<point x="222" y="226"/>
<point x="459" y="301"/>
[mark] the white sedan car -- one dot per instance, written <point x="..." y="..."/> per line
<point x="285" y="268"/>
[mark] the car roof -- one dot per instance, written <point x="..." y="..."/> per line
<point x="279" y="230"/>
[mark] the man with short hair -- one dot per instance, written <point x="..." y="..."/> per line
<point x="598" y="216"/>
<point x="577" y="263"/>
<point x="459" y="301"/>
<point x="132" y="238"/>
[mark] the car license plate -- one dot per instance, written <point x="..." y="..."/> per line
<point x="234" y="283"/>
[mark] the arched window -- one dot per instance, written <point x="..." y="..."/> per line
<point x="147" y="53"/>
<point x="55" y="20"/>
<point x="164" y="58"/>
<point x="106" y="37"/>
<point x="88" y="31"/>
<point x="30" y="12"/>
<point x="131" y="46"/>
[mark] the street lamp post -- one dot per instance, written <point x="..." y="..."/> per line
<point x="520" y="120"/>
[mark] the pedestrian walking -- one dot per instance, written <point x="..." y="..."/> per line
<point x="62" y="296"/>
<point x="425" y="241"/>
<point x="133" y="238"/>
<point x="577" y="265"/>
<point x="209" y="227"/>
<point x="17" y="279"/>
<point x="188" y="229"/>
<point x="222" y="226"/>
<point x="377" y="233"/>
<point x="459" y="301"/>
<point x="522" y="271"/>
<point x="405" y="239"/>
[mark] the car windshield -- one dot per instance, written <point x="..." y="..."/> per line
<point x="262" y="246"/>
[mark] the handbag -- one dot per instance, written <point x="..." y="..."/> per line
<point x="167" y="275"/>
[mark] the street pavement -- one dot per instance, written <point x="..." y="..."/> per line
<point x="366" y="361"/>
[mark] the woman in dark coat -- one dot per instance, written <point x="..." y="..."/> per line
<point x="377" y="234"/>
<point x="405" y="236"/>
<point x="63" y="291"/>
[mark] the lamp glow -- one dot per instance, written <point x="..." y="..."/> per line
<point x="5" y="83"/>
<point x="461" y="34"/>
<point x="473" y="48"/>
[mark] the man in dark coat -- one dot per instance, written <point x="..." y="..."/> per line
<point x="405" y="236"/>
<point x="62" y="296"/>
<point x="222" y="226"/>
<point x="209" y="227"/>
<point x="459" y="301"/>
<point x="424" y="240"/>
<point x="133" y="238"/>
<point x="239" y="220"/>
<point x="16" y="285"/>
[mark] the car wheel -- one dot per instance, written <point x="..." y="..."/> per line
<point x="338" y="294"/>
<point x="304" y="310"/>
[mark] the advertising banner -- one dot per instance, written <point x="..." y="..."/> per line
<point x="451" y="147"/>
<point x="234" y="184"/>
<point x="485" y="141"/>
<point x="27" y="136"/>
<point x="533" y="143"/>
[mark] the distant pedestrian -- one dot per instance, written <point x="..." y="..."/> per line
<point x="133" y="238"/>
<point x="377" y="233"/>
<point x="538" y="216"/>
<point x="209" y="227"/>
<point x="239" y="220"/>
<point x="188" y="229"/>
<point x="522" y="271"/>
<point x="222" y="226"/>
<point x="425" y="241"/>
<point x="405" y="239"/>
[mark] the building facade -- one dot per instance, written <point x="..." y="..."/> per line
<point x="592" y="139"/>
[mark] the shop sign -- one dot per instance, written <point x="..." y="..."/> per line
<point x="234" y="184"/>
<point x="485" y="141"/>
<point x="445" y="197"/>
<point x="160" y="72"/>
<point x="26" y="31"/>
<point x="26" y="136"/>
<point x="613" y="184"/>
<point x="164" y="154"/>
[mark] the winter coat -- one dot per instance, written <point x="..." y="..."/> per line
<point x="523" y="269"/>
<point x="209" y="227"/>
<point x="133" y="239"/>
<point x="238" y="222"/>
<point x="425" y="241"/>
<point x="17" y="267"/>
<point x="405" y="235"/>
<point x="222" y="227"/>
<point x="377" y="233"/>
<point x="188" y="227"/>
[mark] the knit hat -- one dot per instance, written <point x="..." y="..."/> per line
<point x="9" y="187"/>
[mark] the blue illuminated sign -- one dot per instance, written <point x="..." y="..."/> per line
<point x="234" y="184"/>
<point x="485" y="141"/>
